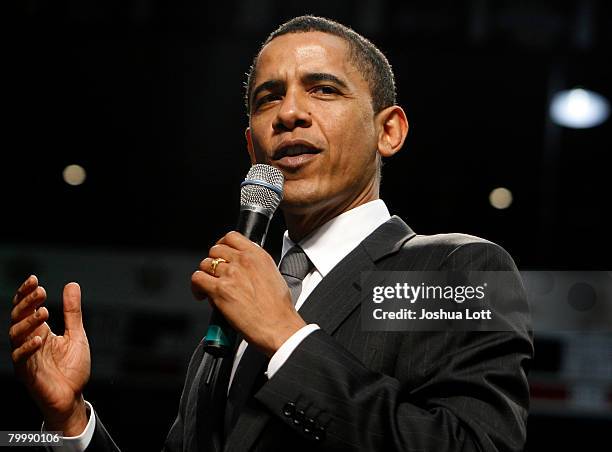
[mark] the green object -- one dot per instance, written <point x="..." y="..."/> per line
<point x="216" y="337"/>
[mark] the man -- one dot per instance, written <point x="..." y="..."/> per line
<point x="321" y="102"/>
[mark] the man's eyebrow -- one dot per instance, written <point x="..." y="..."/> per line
<point x="270" y="85"/>
<point x="309" y="78"/>
<point x="315" y="77"/>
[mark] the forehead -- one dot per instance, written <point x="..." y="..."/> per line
<point x="296" y="53"/>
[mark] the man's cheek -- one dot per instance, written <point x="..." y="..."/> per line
<point x="260" y="154"/>
<point x="258" y="148"/>
<point x="262" y="157"/>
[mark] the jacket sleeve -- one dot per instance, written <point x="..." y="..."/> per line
<point x="469" y="394"/>
<point x="101" y="440"/>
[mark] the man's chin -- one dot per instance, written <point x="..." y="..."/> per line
<point x="299" y="203"/>
<point x="294" y="205"/>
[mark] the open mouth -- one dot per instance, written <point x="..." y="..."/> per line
<point x="294" y="151"/>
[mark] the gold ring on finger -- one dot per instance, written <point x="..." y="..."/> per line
<point x="214" y="264"/>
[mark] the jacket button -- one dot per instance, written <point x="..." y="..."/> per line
<point x="289" y="409"/>
<point x="319" y="434"/>
<point x="309" y="425"/>
<point x="299" y="417"/>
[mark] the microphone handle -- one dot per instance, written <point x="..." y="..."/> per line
<point x="221" y="337"/>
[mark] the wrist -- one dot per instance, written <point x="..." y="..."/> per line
<point x="283" y="334"/>
<point x="71" y="423"/>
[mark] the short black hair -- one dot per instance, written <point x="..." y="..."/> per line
<point x="365" y="56"/>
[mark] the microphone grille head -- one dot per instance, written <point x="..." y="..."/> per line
<point x="262" y="189"/>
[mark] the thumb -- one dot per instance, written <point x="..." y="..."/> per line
<point x="73" y="320"/>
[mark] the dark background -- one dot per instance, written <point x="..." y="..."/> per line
<point x="146" y="95"/>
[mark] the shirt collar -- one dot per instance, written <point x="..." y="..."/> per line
<point x="327" y="245"/>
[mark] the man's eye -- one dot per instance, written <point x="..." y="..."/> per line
<point x="267" y="98"/>
<point x="325" y="89"/>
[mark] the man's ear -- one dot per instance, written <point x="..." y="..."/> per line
<point x="393" y="129"/>
<point x="250" y="149"/>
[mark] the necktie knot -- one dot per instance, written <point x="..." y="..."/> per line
<point x="295" y="263"/>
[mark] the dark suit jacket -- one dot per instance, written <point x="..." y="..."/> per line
<point x="348" y="389"/>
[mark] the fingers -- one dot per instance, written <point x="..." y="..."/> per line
<point x="218" y="251"/>
<point x="226" y="252"/>
<point x="220" y="269"/>
<point x="26" y="350"/>
<point x="200" y="283"/>
<point x="236" y="240"/>
<point x="28" y="286"/>
<point x="231" y="247"/>
<point x="73" y="319"/>
<point x="21" y="331"/>
<point x="28" y="304"/>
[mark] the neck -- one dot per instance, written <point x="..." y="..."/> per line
<point x="301" y="222"/>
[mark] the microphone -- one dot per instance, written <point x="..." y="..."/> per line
<point x="260" y="194"/>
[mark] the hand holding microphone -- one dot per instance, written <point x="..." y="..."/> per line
<point x="242" y="280"/>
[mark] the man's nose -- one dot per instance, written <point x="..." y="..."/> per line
<point x="293" y="112"/>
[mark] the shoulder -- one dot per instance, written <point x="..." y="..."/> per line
<point x="451" y="240"/>
<point x="455" y="251"/>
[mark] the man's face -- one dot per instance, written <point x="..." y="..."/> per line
<point x="312" y="117"/>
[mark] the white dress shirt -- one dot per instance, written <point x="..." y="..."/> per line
<point x="326" y="246"/>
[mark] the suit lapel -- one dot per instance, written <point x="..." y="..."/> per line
<point x="339" y="293"/>
<point x="330" y="303"/>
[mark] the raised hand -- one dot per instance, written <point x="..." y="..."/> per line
<point x="54" y="368"/>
